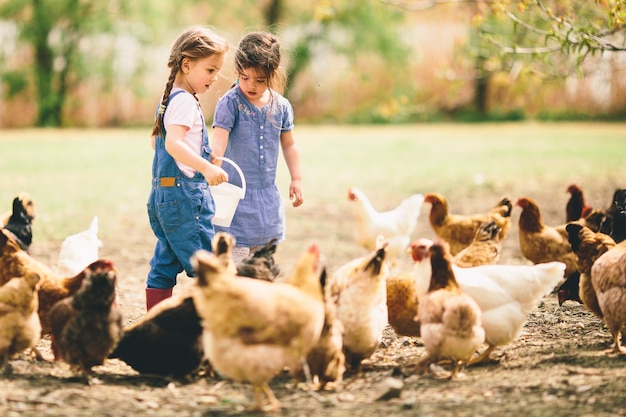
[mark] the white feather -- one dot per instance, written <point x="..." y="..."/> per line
<point x="78" y="251"/>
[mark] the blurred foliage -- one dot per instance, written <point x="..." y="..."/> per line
<point x="361" y="62"/>
<point x="58" y="61"/>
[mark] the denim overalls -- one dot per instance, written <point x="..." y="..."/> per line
<point x="180" y="210"/>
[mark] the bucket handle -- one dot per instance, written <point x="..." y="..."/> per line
<point x="230" y="161"/>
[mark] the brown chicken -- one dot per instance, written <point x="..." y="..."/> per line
<point x="15" y="262"/>
<point x="576" y="204"/>
<point x="87" y="325"/>
<point x="450" y="319"/>
<point x="253" y="329"/>
<point x="608" y="276"/>
<point x="597" y="220"/>
<point x="459" y="230"/>
<point x="402" y="305"/>
<point x="20" y="328"/>
<point x="360" y="291"/>
<point x="588" y="246"/>
<point x="540" y="243"/>
<point x="326" y="360"/>
<point x="484" y="249"/>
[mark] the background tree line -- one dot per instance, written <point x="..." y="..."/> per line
<point x="103" y="62"/>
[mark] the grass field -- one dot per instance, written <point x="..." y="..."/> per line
<point x="75" y="174"/>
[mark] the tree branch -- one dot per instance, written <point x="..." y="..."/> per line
<point x="421" y="5"/>
<point x="600" y="42"/>
<point x="516" y="50"/>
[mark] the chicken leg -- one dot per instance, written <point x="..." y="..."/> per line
<point x="261" y="392"/>
<point x="482" y="356"/>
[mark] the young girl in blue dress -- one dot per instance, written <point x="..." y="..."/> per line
<point x="252" y="120"/>
<point x="180" y="206"/>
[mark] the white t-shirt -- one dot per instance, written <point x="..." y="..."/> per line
<point x="184" y="110"/>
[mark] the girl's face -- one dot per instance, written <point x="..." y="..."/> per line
<point x="254" y="85"/>
<point x="201" y="73"/>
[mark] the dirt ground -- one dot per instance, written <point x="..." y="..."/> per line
<point x="557" y="367"/>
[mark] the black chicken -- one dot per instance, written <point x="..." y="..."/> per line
<point x="21" y="220"/>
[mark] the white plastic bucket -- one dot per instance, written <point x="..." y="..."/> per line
<point x="226" y="197"/>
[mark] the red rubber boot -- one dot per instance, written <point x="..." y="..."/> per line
<point x="156" y="295"/>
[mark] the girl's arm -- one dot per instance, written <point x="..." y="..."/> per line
<point x="219" y="143"/>
<point x="179" y="150"/>
<point x="292" y="158"/>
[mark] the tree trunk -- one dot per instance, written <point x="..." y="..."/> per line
<point x="48" y="111"/>
<point x="273" y="13"/>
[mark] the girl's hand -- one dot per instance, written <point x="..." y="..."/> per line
<point x="295" y="193"/>
<point x="215" y="175"/>
<point x="215" y="161"/>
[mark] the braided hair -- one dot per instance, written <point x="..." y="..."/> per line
<point x="196" y="42"/>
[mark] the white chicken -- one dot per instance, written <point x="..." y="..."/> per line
<point x="359" y="290"/>
<point x="395" y="225"/>
<point x="506" y="294"/>
<point x="78" y="251"/>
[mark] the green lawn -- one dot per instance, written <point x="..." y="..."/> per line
<point x="75" y="174"/>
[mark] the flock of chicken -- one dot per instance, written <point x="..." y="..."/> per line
<point x="246" y="323"/>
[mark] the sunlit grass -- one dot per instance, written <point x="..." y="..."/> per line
<point x="76" y="174"/>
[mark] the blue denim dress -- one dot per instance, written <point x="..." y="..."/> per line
<point x="254" y="144"/>
<point x="180" y="210"/>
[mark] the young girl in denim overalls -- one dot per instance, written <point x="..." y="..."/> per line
<point x="252" y="123"/>
<point x="180" y="206"/>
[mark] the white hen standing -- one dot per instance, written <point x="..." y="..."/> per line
<point x="395" y="225"/>
<point x="80" y="250"/>
<point x="506" y="294"/>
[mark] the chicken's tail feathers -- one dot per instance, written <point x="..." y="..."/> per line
<point x="554" y="267"/>
<point x="550" y="274"/>
<point x="208" y="267"/>
<point x="504" y="207"/>
<point x="93" y="227"/>
<point x="376" y="262"/>
<point x="414" y="201"/>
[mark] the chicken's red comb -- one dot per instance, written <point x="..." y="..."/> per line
<point x="419" y="248"/>
<point x="523" y="201"/>
<point x="351" y="194"/>
<point x="101" y="263"/>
